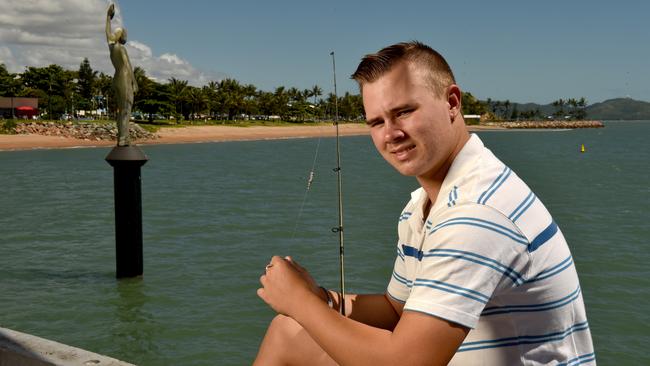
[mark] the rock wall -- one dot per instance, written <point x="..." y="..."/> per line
<point x="546" y="124"/>
<point x="82" y="130"/>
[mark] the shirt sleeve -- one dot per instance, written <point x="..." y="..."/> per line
<point x="470" y="253"/>
<point x="399" y="286"/>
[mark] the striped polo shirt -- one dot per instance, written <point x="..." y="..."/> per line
<point x="490" y="257"/>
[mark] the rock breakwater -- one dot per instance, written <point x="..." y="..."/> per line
<point x="82" y="130"/>
<point x="546" y="124"/>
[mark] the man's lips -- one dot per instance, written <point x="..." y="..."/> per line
<point x="402" y="152"/>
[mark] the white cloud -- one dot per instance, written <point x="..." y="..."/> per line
<point x="140" y="48"/>
<point x="63" y="32"/>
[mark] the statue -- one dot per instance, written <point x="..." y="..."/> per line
<point x="124" y="82"/>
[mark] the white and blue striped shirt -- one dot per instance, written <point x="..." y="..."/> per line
<point x="490" y="257"/>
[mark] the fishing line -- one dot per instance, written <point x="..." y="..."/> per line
<point x="310" y="180"/>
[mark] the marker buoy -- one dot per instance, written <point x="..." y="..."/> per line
<point x="582" y="148"/>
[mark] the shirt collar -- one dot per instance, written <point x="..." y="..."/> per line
<point x="464" y="161"/>
<point x="460" y="169"/>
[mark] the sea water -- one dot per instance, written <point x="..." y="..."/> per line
<point x="214" y="213"/>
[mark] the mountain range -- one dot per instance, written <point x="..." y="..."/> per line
<point x="611" y="109"/>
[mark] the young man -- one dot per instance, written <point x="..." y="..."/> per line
<point x="482" y="276"/>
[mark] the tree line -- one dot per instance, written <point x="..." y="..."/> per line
<point x="572" y="109"/>
<point x="64" y="92"/>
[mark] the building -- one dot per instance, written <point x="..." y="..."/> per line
<point x="18" y="107"/>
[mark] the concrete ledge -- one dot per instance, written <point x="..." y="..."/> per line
<point x="20" y="349"/>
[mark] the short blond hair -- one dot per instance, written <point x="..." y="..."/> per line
<point x="375" y="65"/>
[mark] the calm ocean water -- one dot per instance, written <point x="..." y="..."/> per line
<point x="215" y="213"/>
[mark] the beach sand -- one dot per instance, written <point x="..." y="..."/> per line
<point x="193" y="134"/>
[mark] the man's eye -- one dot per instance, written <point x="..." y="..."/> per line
<point x="403" y="113"/>
<point x="375" y="123"/>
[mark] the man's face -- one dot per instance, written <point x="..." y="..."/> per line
<point x="410" y="126"/>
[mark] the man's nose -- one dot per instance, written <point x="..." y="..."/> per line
<point x="393" y="132"/>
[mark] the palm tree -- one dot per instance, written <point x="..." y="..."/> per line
<point x="280" y="102"/>
<point x="316" y="91"/>
<point x="210" y="92"/>
<point x="230" y="97"/>
<point x="559" y="105"/>
<point x="197" y="100"/>
<point x="177" y="93"/>
<point x="145" y="87"/>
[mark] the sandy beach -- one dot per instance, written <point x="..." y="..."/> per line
<point x="193" y="134"/>
<point x="181" y="135"/>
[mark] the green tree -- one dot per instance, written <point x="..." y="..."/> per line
<point x="86" y="85"/>
<point x="149" y="98"/>
<point x="197" y="101"/>
<point x="53" y="85"/>
<point x="11" y="85"/>
<point x="104" y="90"/>
<point x="316" y="92"/>
<point x="559" y="108"/>
<point x="265" y="102"/>
<point x="177" y="95"/>
<point x="230" y="98"/>
<point x="210" y="92"/>
<point x="515" y="113"/>
<point x="471" y="105"/>
<point x="250" y="105"/>
<point x="280" y="103"/>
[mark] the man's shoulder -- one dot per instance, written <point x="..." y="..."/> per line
<point x="492" y="188"/>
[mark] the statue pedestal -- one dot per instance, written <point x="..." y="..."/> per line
<point x="126" y="162"/>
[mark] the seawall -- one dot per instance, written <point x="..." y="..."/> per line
<point x="20" y="349"/>
<point x="545" y="124"/>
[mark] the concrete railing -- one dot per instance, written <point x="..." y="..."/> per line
<point x="20" y="349"/>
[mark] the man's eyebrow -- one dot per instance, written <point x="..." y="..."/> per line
<point x="393" y="111"/>
<point x="402" y="107"/>
<point x="373" y="120"/>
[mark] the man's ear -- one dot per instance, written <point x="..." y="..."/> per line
<point x="454" y="98"/>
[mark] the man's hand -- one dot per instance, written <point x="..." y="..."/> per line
<point x="285" y="284"/>
<point x="111" y="11"/>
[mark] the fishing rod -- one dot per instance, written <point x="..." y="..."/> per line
<point x="339" y="229"/>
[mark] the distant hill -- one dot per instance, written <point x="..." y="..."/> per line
<point x="619" y="108"/>
<point x="611" y="109"/>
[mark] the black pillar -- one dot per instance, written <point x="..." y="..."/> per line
<point x="126" y="162"/>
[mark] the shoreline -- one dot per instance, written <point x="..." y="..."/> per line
<point x="195" y="134"/>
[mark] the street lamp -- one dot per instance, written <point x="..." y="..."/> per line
<point x="49" y="98"/>
<point x="13" y="95"/>
<point x="74" y="115"/>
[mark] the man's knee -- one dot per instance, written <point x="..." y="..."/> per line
<point x="285" y="329"/>
<point x="293" y="345"/>
<point x="277" y="346"/>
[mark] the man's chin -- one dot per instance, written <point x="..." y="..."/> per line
<point x="405" y="170"/>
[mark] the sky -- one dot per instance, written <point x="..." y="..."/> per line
<point x="523" y="51"/>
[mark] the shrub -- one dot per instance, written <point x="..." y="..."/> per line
<point x="8" y="126"/>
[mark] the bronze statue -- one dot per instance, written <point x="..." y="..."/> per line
<point x="124" y="82"/>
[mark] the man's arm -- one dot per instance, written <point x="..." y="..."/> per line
<point x="376" y="310"/>
<point x="417" y="339"/>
